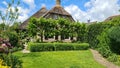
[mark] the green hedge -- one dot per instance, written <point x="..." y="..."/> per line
<point x="63" y="46"/>
<point x="38" y="47"/>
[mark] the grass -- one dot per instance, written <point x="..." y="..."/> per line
<point x="59" y="59"/>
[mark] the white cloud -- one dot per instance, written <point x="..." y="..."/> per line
<point x="5" y="3"/>
<point x="88" y="4"/>
<point x="23" y="13"/>
<point x="98" y="10"/>
<point x="43" y="5"/>
<point x="31" y="3"/>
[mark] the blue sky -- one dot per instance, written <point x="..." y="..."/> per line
<point x="81" y="10"/>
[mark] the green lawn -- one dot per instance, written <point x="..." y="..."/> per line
<point x="59" y="59"/>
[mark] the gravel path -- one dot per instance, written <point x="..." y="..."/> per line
<point x="101" y="60"/>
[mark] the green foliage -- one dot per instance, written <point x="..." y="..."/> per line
<point x="114" y="35"/>
<point x="113" y="58"/>
<point x="81" y="30"/>
<point x="32" y="27"/>
<point x="12" y="61"/>
<point x="64" y="46"/>
<point x="1" y="64"/>
<point x="15" y="49"/>
<point x="93" y="31"/>
<point x="13" y="38"/>
<point x="37" y="47"/>
<point x="62" y="27"/>
<point x="115" y="21"/>
<point x="83" y="46"/>
<point x="103" y="45"/>
<point x="107" y="46"/>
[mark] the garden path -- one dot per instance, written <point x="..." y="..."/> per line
<point x="97" y="56"/>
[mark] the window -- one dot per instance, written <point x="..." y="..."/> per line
<point x="55" y="17"/>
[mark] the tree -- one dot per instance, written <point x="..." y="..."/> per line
<point x="9" y="17"/>
<point x="11" y="14"/>
<point x="63" y="28"/>
<point x="37" y="27"/>
<point x="50" y="29"/>
<point x="32" y="27"/>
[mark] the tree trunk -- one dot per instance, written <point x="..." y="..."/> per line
<point x="42" y="36"/>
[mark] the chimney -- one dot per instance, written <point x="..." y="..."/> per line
<point x="58" y="2"/>
<point x="88" y="21"/>
<point x="43" y="6"/>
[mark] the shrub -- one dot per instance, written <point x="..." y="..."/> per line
<point x="103" y="46"/>
<point x="41" y="47"/>
<point x="64" y="46"/>
<point x="12" y="36"/>
<point x="114" y="36"/>
<point x="37" y="47"/>
<point x="93" y="31"/>
<point x="83" y="46"/>
<point x="1" y="64"/>
<point x="11" y="61"/>
<point x="113" y="58"/>
<point x="107" y="46"/>
<point x="109" y="40"/>
<point x="14" y="49"/>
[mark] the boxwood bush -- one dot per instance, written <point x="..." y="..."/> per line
<point x="38" y="47"/>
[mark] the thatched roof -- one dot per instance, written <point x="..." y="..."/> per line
<point x="111" y="17"/>
<point x="38" y="14"/>
<point x="54" y="13"/>
<point x="59" y="12"/>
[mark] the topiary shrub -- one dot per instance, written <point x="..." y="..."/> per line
<point x="37" y="47"/>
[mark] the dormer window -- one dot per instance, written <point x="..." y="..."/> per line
<point x="55" y="17"/>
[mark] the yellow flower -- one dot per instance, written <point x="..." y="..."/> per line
<point x="1" y="64"/>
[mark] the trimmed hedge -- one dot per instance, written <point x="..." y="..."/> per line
<point x="63" y="47"/>
<point x="38" y="47"/>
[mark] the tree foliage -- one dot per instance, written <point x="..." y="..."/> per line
<point x="11" y="14"/>
<point x="60" y="27"/>
<point x="94" y="30"/>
